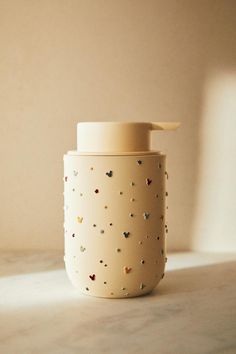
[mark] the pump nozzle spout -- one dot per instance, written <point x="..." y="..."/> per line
<point x="164" y="125"/>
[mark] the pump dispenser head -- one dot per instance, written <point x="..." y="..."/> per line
<point x="118" y="137"/>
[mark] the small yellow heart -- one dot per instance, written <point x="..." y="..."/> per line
<point x="79" y="219"/>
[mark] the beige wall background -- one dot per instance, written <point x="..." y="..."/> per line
<point x="66" y="61"/>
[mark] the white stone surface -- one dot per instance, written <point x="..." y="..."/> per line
<point x="192" y="311"/>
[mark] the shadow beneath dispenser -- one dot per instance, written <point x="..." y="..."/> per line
<point x="201" y="278"/>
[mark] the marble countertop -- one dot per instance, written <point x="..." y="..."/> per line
<point x="193" y="310"/>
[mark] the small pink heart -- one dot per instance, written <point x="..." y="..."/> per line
<point x="127" y="270"/>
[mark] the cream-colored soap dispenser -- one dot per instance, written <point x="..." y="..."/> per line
<point x="114" y="202"/>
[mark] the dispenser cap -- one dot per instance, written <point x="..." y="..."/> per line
<point x="118" y="137"/>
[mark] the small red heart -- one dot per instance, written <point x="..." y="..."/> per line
<point x="92" y="277"/>
<point x="148" y="181"/>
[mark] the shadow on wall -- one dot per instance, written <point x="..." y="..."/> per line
<point x="207" y="187"/>
<point x="214" y="224"/>
<point x="201" y="155"/>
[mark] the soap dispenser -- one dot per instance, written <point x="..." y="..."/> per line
<point x="114" y="209"/>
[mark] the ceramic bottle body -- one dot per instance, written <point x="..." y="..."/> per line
<point x="115" y="223"/>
